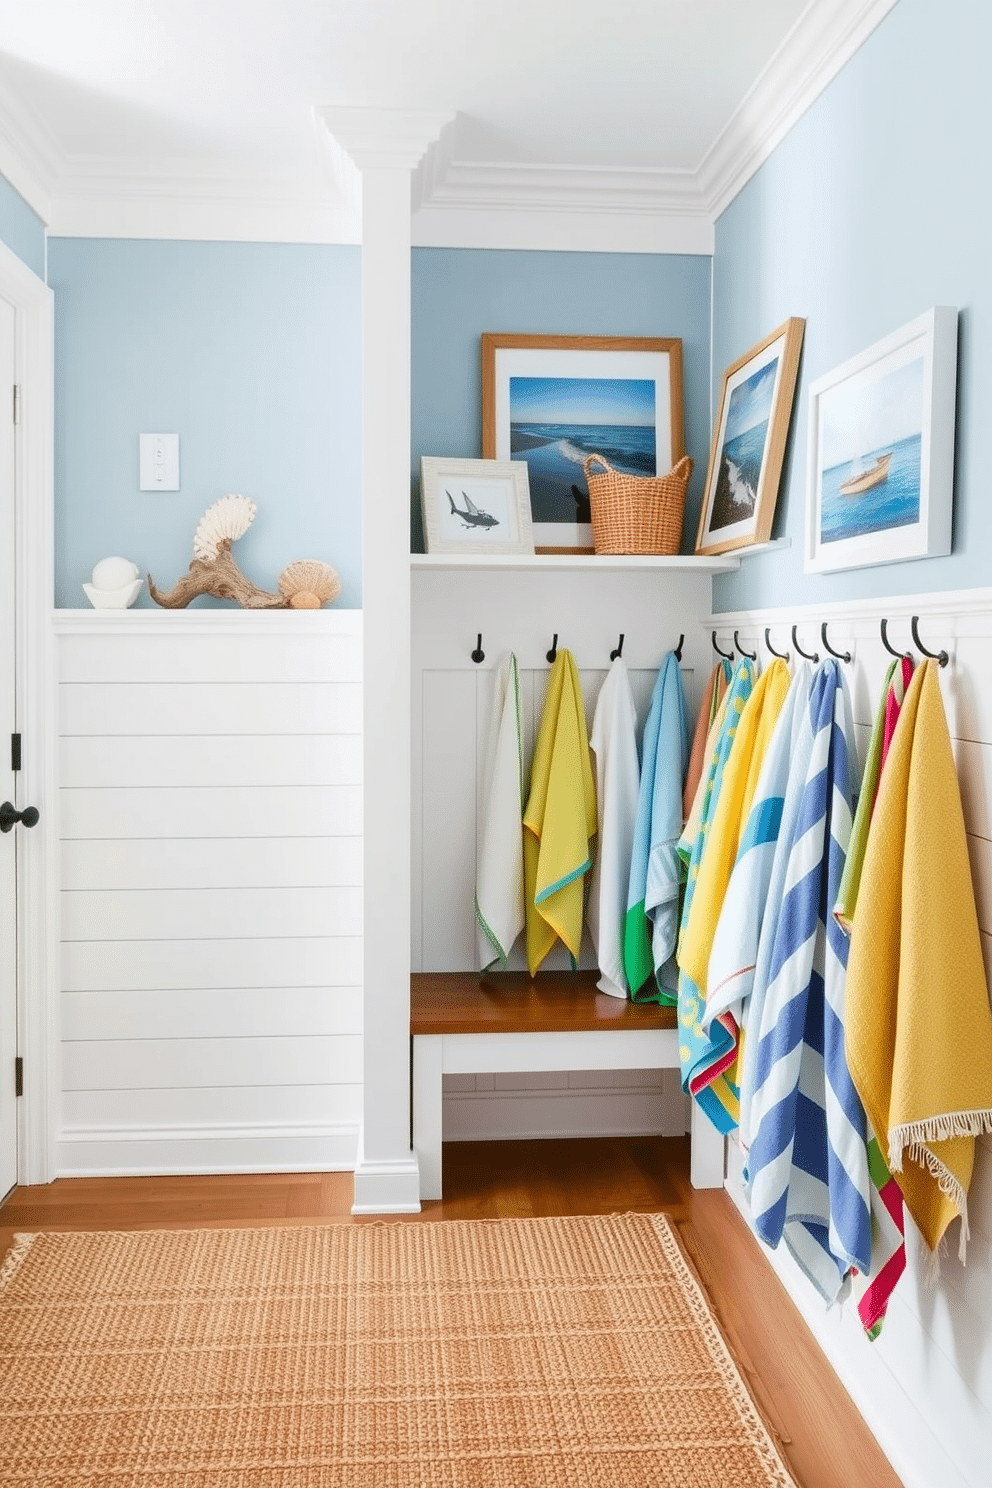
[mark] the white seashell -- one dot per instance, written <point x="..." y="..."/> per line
<point x="308" y="583"/>
<point x="114" y="573"/>
<point x="228" y="519"/>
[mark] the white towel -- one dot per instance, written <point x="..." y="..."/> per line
<point x="499" y="892"/>
<point x="614" y="743"/>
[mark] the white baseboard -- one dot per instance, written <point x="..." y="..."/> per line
<point x="98" y="1152"/>
<point x="386" y="1185"/>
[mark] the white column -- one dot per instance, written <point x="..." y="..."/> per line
<point x="386" y="146"/>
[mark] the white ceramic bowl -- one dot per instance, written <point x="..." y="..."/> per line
<point x="113" y="599"/>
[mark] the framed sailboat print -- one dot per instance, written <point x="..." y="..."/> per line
<point x="881" y="450"/>
<point x="749" y="439"/>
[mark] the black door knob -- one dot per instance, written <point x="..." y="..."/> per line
<point x="8" y="816"/>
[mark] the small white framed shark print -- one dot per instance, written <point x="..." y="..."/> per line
<point x="475" y="506"/>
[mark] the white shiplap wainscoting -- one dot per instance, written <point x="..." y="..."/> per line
<point x="925" y="1386"/>
<point x="521" y="610"/>
<point x="211" y="842"/>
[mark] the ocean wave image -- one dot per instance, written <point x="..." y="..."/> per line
<point x="872" y="493"/>
<point x="737" y="481"/>
<point x="556" y="422"/>
<point x="555" y="454"/>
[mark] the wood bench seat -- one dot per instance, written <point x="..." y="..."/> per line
<point x="464" y="1023"/>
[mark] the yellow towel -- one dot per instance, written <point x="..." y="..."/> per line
<point x="560" y="820"/>
<point x="740" y="777"/>
<point x="918" y="1028"/>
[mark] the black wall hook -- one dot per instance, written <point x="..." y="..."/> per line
<point x="840" y="655"/>
<point x="883" y="626"/>
<point x="782" y="655"/>
<point x="809" y="655"/>
<point x="619" y="649"/>
<point x="727" y="655"/>
<point x="941" y="657"/>
<point x="678" y="648"/>
<point x="751" y="655"/>
<point x="552" y="654"/>
<point x="478" y="655"/>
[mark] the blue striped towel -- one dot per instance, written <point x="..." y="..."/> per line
<point x="809" y="1182"/>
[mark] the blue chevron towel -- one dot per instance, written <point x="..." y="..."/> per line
<point x="809" y="1162"/>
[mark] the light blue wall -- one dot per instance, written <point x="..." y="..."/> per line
<point x="250" y="352"/>
<point x="459" y="293"/>
<point x="874" y="208"/>
<point x="21" y="228"/>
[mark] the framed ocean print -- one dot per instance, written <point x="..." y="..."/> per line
<point x="749" y="437"/>
<point x="475" y="506"/>
<point x="881" y="450"/>
<point x="554" y="400"/>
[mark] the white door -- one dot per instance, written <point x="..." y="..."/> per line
<point x="8" y="778"/>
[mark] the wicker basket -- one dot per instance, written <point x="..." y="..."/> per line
<point x="637" y="513"/>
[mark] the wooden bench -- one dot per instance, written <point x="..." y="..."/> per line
<point x="461" y="1023"/>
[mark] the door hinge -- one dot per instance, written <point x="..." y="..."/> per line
<point x="17" y="404"/>
<point x="19" y="1075"/>
<point x="15" y="751"/>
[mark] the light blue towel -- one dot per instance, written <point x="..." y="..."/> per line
<point x="656" y="870"/>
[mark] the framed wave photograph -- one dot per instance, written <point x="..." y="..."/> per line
<point x="881" y="452"/>
<point x="554" y="400"/>
<point x="749" y="439"/>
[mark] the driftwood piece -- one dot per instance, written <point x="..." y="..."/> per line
<point x="221" y="577"/>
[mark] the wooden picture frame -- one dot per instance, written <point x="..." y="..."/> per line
<point x="749" y="438"/>
<point x="475" y="506"/>
<point x="553" y="400"/>
<point x="881" y="450"/>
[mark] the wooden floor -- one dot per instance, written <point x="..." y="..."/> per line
<point x="821" y="1433"/>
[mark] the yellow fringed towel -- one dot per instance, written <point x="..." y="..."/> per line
<point x="918" y="1028"/>
<point x="560" y="820"/>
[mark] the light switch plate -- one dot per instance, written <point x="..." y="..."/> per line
<point x="158" y="462"/>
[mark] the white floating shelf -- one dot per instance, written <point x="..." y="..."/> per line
<point x="586" y="562"/>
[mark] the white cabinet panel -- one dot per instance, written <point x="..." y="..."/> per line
<point x="193" y="914"/>
<point x="181" y="1064"/>
<point x="212" y="863"/>
<point x="202" y="708"/>
<point x="213" y="811"/>
<point x="91" y="966"/>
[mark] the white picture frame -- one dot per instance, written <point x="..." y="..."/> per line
<point x="881" y="450"/>
<point x="475" y="506"/>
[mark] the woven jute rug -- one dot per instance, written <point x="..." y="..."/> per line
<point x="475" y="1354"/>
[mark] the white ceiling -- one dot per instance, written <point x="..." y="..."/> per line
<point x="117" y="112"/>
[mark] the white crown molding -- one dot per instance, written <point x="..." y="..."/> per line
<point x="186" y="211"/>
<point x="825" y="37"/>
<point x="385" y="139"/>
<point x="588" y="230"/>
<point x="28" y="158"/>
<point x="456" y="203"/>
<point x="563" y="188"/>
